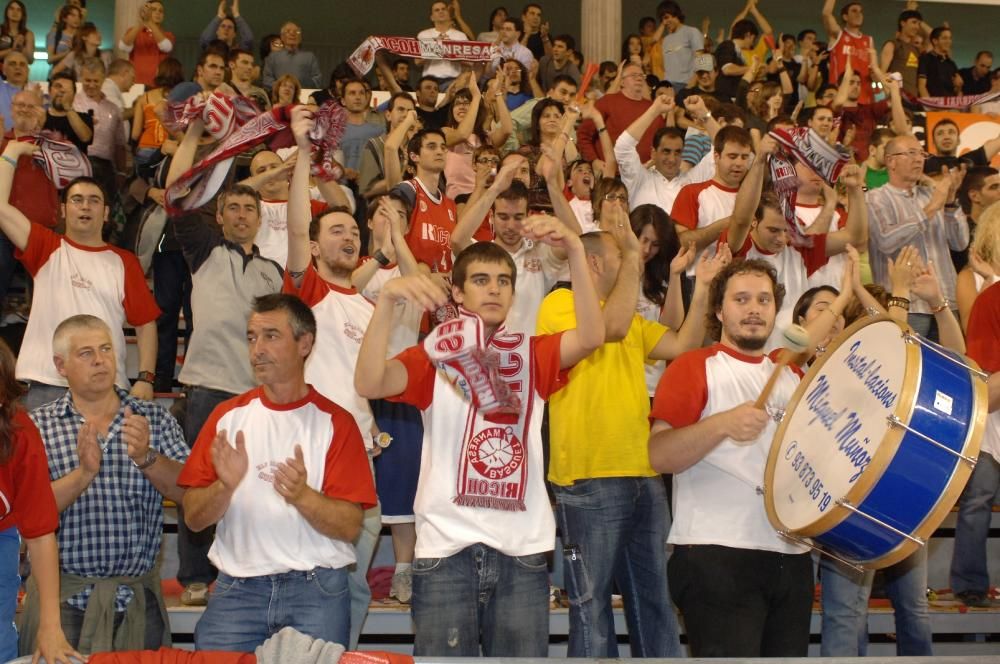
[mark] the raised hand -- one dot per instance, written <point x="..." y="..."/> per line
<point x="548" y="230"/>
<point x="852" y="176"/>
<point x="290" y="477"/>
<point x="303" y="122"/>
<point x="418" y="289"/>
<point x="88" y="450"/>
<point x="135" y="433"/>
<point x="231" y="464"/>
<point x="614" y="220"/>
<point x="901" y="270"/>
<point x="682" y="261"/>
<point x="707" y="267"/>
<point x="926" y="285"/>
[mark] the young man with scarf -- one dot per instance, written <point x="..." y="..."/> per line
<point x="481" y="503"/>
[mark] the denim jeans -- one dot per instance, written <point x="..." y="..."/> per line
<point x="906" y="587"/>
<point x="193" y="565"/>
<point x="242" y="613"/>
<point x="357" y="580"/>
<point x="10" y="583"/>
<point x="969" y="571"/>
<point x="481" y="596"/>
<point x="844" y="599"/>
<point x="614" y="533"/>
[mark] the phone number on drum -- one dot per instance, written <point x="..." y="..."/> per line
<point x="806" y="473"/>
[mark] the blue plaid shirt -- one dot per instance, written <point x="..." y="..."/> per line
<point x="115" y="526"/>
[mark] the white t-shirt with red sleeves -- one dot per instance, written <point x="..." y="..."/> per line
<point x="443" y="526"/>
<point x="702" y="204"/>
<point x="406" y="316"/>
<point x="983" y="337"/>
<point x="260" y="532"/>
<point x="538" y="270"/>
<point x="832" y="273"/>
<point x="716" y="500"/>
<point x="72" y="279"/>
<point x="342" y="316"/>
<point x="272" y="236"/>
<point x="794" y="265"/>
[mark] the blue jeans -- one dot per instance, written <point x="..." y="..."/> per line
<point x="193" y="565"/>
<point x="242" y="613"/>
<point x="481" y="596"/>
<point x="614" y="532"/>
<point x="10" y="582"/>
<point x="969" y="571"/>
<point x="906" y="587"/>
<point x="357" y="580"/>
<point x="844" y="599"/>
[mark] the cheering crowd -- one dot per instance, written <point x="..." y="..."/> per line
<point x="517" y="293"/>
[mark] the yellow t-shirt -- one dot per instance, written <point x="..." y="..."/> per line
<point x="598" y="423"/>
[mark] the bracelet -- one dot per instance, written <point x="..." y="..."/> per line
<point x="901" y="302"/>
<point x="8" y="160"/>
<point x="381" y="258"/>
<point x="937" y="310"/>
<point x="602" y="130"/>
<point x="873" y="311"/>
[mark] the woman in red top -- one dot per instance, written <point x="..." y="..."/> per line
<point x="28" y="506"/>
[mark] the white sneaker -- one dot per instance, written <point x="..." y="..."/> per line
<point x="402" y="586"/>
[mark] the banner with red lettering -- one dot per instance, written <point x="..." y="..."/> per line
<point x="957" y="103"/>
<point x="363" y="58"/>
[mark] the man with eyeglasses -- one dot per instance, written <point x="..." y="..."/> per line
<point x="912" y="209"/>
<point x="303" y="65"/>
<point x="79" y="274"/>
<point x="619" y="111"/>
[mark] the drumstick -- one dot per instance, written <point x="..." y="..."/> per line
<point x="588" y="74"/>
<point x="795" y="340"/>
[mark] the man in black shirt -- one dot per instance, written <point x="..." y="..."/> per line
<point x="78" y="128"/>
<point x="976" y="79"/>
<point x="729" y="55"/>
<point x="937" y="74"/>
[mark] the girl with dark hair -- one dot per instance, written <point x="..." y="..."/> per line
<point x="59" y="41"/>
<point x="634" y="51"/>
<point x="14" y="32"/>
<point x="86" y="44"/>
<point x="471" y="125"/>
<point x="28" y="510"/>
<point x="497" y="17"/>
<point x="664" y="261"/>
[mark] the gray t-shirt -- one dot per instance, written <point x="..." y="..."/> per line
<point x="679" y="49"/>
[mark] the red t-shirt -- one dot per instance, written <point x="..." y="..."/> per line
<point x="26" y="498"/>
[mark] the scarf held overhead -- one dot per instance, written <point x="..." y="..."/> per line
<point x="363" y="58"/>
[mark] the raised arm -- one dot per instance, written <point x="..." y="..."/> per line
<point x="748" y="197"/>
<point x="393" y="142"/>
<point x="619" y="307"/>
<point x="829" y="20"/>
<point x="473" y="214"/>
<point x="855" y="232"/>
<point x="845" y="86"/>
<point x="455" y="135"/>
<point x="496" y="94"/>
<point x="184" y="155"/>
<point x="13" y="223"/>
<point x="299" y="206"/>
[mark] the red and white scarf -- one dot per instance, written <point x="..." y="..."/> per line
<point x="957" y="103"/>
<point x="803" y="145"/>
<point x="494" y="450"/>
<point x="363" y="58"/>
<point x="227" y="120"/>
<point x="62" y="160"/>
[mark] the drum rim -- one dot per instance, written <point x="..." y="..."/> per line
<point x="956" y="483"/>
<point x="880" y="461"/>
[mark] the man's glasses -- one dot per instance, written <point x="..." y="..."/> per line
<point x="912" y="154"/>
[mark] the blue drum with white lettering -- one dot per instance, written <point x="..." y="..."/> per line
<point x="876" y="445"/>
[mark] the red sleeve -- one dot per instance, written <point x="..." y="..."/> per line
<point x="743" y="251"/>
<point x="420" y="372"/>
<point x="775" y="356"/>
<point x="33" y="504"/>
<point x="983" y="335"/>
<point x="682" y="392"/>
<point x="198" y="470"/>
<point x="313" y="288"/>
<point x="815" y="256"/>
<point x="546" y="353"/>
<point x="347" y="475"/>
<point x="317" y="206"/>
<point x="685" y="210"/>
<point x="140" y="305"/>
<point x="485" y="231"/>
<point x="42" y="243"/>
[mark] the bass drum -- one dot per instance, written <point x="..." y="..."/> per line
<point x="876" y="444"/>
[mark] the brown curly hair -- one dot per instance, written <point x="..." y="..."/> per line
<point x="717" y="289"/>
<point x="10" y="393"/>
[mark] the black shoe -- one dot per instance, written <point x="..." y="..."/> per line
<point x="974" y="599"/>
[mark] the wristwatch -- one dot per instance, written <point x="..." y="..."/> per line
<point x="151" y="457"/>
<point x="146" y="377"/>
<point x="381" y="258"/>
<point x="382" y="440"/>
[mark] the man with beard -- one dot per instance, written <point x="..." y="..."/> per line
<point x="743" y="590"/>
<point x="323" y="252"/>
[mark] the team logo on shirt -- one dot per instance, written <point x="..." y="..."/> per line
<point x="80" y="281"/>
<point x="533" y="265"/>
<point x="451" y="214"/>
<point x="496" y="453"/>
<point x="423" y="206"/>
<point x="353" y="332"/>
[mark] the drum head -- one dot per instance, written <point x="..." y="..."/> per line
<point x="827" y="447"/>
